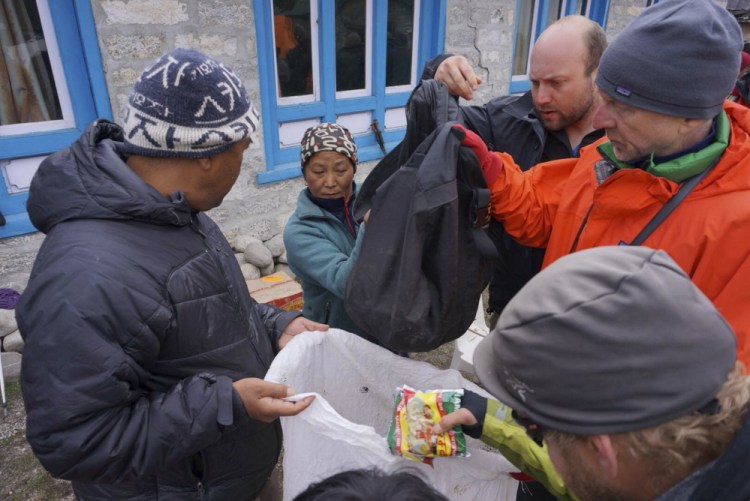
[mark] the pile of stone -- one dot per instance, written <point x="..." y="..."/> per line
<point x="11" y="344"/>
<point x="258" y="259"/>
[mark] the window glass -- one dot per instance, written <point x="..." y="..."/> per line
<point x="294" y="57"/>
<point x="400" y="39"/>
<point x="351" y="39"/>
<point x="364" y="58"/>
<point x="581" y="7"/>
<point x="523" y="36"/>
<point x="554" y="12"/>
<point x="27" y="86"/>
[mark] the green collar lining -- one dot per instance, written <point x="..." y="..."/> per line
<point x="683" y="167"/>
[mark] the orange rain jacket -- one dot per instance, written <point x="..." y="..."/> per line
<point x="708" y="234"/>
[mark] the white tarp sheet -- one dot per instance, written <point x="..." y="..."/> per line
<point x="346" y="426"/>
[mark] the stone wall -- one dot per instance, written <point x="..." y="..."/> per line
<point x="482" y="31"/>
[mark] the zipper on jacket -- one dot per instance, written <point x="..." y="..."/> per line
<point x="348" y="219"/>
<point x="327" y="312"/>
<point x="580" y="229"/>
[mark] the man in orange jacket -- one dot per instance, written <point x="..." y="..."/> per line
<point x="663" y="83"/>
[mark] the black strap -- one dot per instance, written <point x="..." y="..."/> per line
<point x="479" y="216"/>
<point x="685" y="188"/>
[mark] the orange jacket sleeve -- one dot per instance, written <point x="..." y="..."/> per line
<point x="526" y="202"/>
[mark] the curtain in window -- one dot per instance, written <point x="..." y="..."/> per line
<point x="27" y="88"/>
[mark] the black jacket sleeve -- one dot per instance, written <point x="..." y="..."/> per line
<point x="92" y="413"/>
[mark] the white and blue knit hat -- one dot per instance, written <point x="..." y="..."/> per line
<point x="187" y="105"/>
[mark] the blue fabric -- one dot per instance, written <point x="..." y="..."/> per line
<point x="321" y="252"/>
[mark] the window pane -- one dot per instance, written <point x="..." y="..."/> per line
<point x="554" y="11"/>
<point x="580" y="7"/>
<point x="351" y="36"/>
<point x="27" y="86"/>
<point x="291" y="22"/>
<point x="400" y="33"/>
<point x="523" y="36"/>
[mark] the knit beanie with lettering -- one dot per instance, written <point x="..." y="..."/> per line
<point x="187" y="105"/>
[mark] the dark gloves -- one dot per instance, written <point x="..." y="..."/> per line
<point x="477" y="405"/>
<point x="490" y="163"/>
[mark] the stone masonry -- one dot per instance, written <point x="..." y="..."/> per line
<point x="132" y="33"/>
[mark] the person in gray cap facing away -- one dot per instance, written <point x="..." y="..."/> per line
<point x="627" y="372"/>
<point x="145" y="352"/>
<point x="673" y="143"/>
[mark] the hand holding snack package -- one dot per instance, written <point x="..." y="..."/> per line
<point x="416" y="412"/>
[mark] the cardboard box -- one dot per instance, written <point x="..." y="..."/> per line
<point x="278" y="290"/>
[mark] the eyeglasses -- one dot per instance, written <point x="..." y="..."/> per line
<point x="533" y="430"/>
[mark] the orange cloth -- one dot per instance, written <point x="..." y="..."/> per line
<point x="708" y="234"/>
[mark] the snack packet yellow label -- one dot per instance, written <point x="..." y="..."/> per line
<point x="411" y="432"/>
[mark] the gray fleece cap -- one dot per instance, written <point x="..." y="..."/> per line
<point x="607" y="340"/>
<point x="678" y="58"/>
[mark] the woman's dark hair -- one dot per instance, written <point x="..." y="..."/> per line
<point x="371" y="485"/>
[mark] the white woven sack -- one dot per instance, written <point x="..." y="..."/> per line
<point x="346" y="426"/>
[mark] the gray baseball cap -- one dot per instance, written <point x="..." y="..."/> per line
<point x="607" y="340"/>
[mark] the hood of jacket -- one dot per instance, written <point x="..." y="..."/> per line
<point x="90" y="180"/>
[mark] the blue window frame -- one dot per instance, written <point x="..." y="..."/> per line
<point x="533" y="17"/>
<point x="81" y="89"/>
<point x="380" y="93"/>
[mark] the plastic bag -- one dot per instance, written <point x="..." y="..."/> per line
<point x="345" y="427"/>
<point x="416" y="412"/>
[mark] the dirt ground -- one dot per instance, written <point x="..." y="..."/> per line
<point x="22" y="478"/>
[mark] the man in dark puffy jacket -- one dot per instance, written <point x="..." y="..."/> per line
<point x="550" y="122"/>
<point x="144" y="352"/>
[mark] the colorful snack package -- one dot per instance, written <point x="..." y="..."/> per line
<point x="410" y="434"/>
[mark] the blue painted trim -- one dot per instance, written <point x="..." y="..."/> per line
<point x="280" y="173"/>
<point x="354" y="105"/>
<point x="16" y="224"/>
<point x="519" y="86"/>
<point x="36" y="143"/>
<point x="263" y="14"/>
<point x="327" y="57"/>
<point x="397" y="99"/>
<point x="92" y="54"/>
<point x="599" y="11"/>
<point x="299" y="112"/>
<point x="541" y="20"/>
<point x="75" y="69"/>
<point x="379" y="56"/>
<point x="431" y="40"/>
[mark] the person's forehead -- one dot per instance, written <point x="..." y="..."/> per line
<point x="328" y="157"/>
<point x="558" y="55"/>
